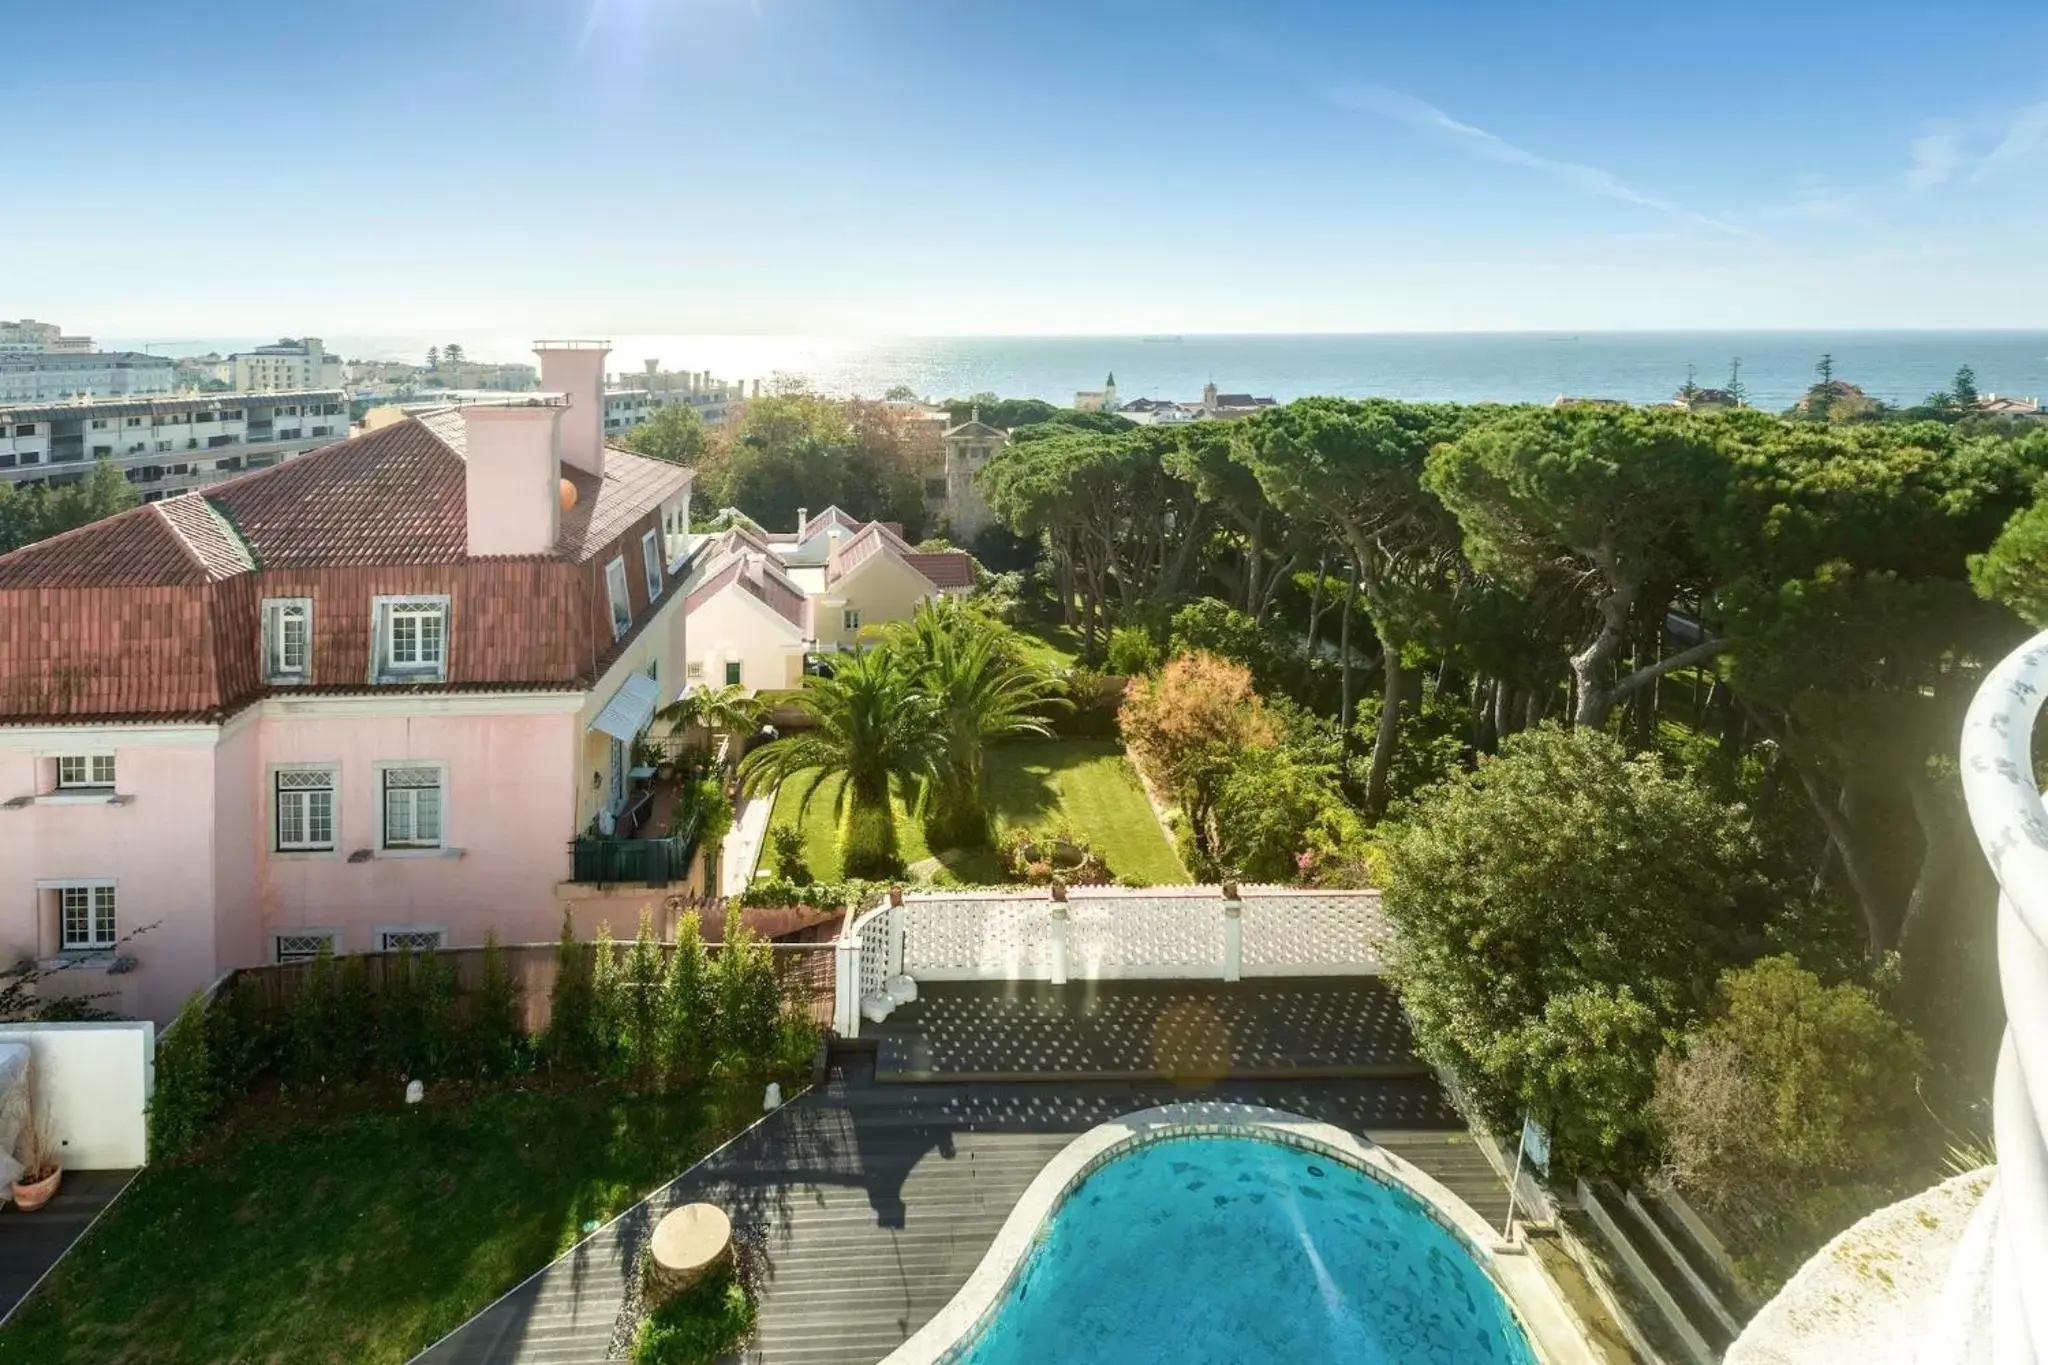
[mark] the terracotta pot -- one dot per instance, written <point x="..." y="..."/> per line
<point x="33" y="1195"/>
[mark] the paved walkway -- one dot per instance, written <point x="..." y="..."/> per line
<point x="31" y="1243"/>
<point x="871" y="1204"/>
<point x="744" y="841"/>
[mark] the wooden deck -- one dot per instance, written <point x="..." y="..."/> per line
<point x="872" y="1203"/>
<point x="31" y="1243"/>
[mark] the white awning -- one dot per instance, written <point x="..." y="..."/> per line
<point x="630" y="708"/>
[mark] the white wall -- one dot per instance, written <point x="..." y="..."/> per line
<point x="93" y="1083"/>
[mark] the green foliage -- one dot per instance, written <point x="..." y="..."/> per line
<point x="1005" y="414"/>
<point x="1092" y="702"/>
<point x="1588" y="1065"/>
<point x="607" y="1002"/>
<point x="749" y="1003"/>
<point x="708" y="1322"/>
<point x="318" y="1045"/>
<point x="572" y="1044"/>
<point x="241" y="1039"/>
<point x="688" y="1004"/>
<point x="675" y="433"/>
<point x="2015" y="569"/>
<point x="1792" y="1084"/>
<point x="32" y="512"/>
<point x="786" y="849"/>
<point x="1207" y="625"/>
<point x="778" y="893"/>
<point x="1192" y="727"/>
<point x="642" y="986"/>
<point x="497" y="1015"/>
<point x="416" y="1029"/>
<point x="1561" y="866"/>
<point x="867" y="843"/>
<point x="1272" y="802"/>
<point x="1131" y="651"/>
<point x="1429" y="746"/>
<point x="187" y="1090"/>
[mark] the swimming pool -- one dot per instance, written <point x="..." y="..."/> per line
<point x="1208" y="1249"/>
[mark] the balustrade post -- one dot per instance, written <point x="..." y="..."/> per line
<point x="1233" y="933"/>
<point x="1059" y="934"/>
<point x="846" y="984"/>
<point x="897" y="925"/>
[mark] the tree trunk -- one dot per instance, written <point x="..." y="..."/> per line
<point x="1389" y="732"/>
<point x="1592" y="665"/>
<point x="1315" y="605"/>
<point x="1503" y="710"/>
<point x="1939" y="827"/>
<point x="1344" y="666"/>
<point x="1878" y="922"/>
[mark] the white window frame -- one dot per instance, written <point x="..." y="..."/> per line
<point x="94" y="891"/>
<point x="849" y="618"/>
<point x="414" y="846"/>
<point x="617" y="598"/>
<point x="96" y="773"/>
<point x="277" y="937"/>
<point x="385" y="613"/>
<point x="280" y="799"/>
<point x="650" y="563"/>
<point x="387" y="932"/>
<point x="276" y="667"/>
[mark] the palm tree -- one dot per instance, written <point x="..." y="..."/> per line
<point x="730" y="710"/>
<point x="981" y="691"/>
<point x="870" y="725"/>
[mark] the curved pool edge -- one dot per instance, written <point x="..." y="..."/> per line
<point x="1550" y="1328"/>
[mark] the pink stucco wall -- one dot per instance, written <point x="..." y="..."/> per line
<point x="508" y="808"/>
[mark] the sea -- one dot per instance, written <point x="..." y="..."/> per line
<point x="1467" y="367"/>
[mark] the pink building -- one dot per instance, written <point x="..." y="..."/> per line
<point x="368" y="696"/>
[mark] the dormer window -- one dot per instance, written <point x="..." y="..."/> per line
<point x="412" y="639"/>
<point x="615" y="590"/>
<point x="288" y="639"/>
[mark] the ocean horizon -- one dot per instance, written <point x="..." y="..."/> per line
<point x="1899" y="367"/>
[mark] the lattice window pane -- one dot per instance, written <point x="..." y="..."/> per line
<point x="301" y="947"/>
<point x="305" y="808"/>
<point x="412" y="807"/>
<point x="419" y="940"/>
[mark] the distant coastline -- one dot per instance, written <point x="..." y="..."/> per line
<point x="1517" y="367"/>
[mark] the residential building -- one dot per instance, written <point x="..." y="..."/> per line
<point x="952" y="496"/>
<point x="1692" y="398"/>
<point x="1097" y="400"/>
<point x="287" y="366"/>
<point x="210" y="371"/>
<point x="1226" y="406"/>
<point x="42" y="376"/>
<point x="1160" y="412"/>
<point x="366" y="697"/>
<point x="714" y="399"/>
<point x="166" y="445"/>
<point x="2005" y="405"/>
<point x="759" y="603"/>
<point x="29" y="337"/>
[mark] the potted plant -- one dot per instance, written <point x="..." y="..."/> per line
<point x="41" y="1170"/>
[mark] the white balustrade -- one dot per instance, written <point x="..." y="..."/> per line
<point x="2001" y="1269"/>
<point x="1108" y="933"/>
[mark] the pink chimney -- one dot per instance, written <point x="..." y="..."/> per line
<point x="513" y="476"/>
<point x="575" y="369"/>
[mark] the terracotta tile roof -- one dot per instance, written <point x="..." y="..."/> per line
<point x="874" y="538"/>
<point x="137" y="548"/>
<point x="633" y="486"/>
<point x="831" y="516"/>
<point x="212" y="538"/>
<point x="945" y="568"/>
<point x="393" y="496"/>
<point x="758" y="575"/>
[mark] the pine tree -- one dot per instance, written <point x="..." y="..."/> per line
<point x="607" y="1003"/>
<point x="687" y="1008"/>
<point x="495" y="1023"/>
<point x="1965" y="388"/>
<point x="1735" y="387"/>
<point x="1826" y="368"/>
<point x="642" y="989"/>
<point x="569" y="1044"/>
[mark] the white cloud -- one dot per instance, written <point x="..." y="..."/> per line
<point x="1936" y="157"/>
<point x="1417" y="113"/>
<point x="1981" y="150"/>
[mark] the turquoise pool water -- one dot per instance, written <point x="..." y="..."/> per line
<point x="1208" y="1249"/>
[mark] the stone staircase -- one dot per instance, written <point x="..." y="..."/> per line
<point x="1672" y="1261"/>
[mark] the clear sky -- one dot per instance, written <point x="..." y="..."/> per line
<point x="992" y="166"/>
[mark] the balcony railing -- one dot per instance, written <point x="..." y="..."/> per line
<point x="2002" y="1262"/>
<point x="598" y="860"/>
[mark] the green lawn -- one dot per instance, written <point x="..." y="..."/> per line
<point x="1030" y="784"/>
<point x="362" y="1238"/>
<point x="1050" y="646"/>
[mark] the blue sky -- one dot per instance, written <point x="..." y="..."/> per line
<point x="986" y="166"/>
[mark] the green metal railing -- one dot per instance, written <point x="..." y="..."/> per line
<point x="599" y="861"/>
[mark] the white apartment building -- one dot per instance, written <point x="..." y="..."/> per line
<point x="288" y="366"/>
<point x="167" y="445"/>
<point x="45" y="376"/>
<point x="29" y="337"/>
<point x="632" y="398"/>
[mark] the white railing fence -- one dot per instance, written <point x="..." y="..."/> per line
<point x="2001" y="1267"/>
<point x="1058" y="935"/>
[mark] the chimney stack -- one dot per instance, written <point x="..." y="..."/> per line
<point x="575" y="369"/>
<point x="512" y="477"/>
<point x="803" y="519"/>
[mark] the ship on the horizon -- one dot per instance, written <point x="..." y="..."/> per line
<point x="1159" y="340"/>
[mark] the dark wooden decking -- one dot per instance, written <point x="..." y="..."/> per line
<point x="872" y="1203"/>
<point x="30" y="1243"/>
<point x="1276" y="1028"/>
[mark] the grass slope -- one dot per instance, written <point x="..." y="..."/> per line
<point x="363" y="1238"/>
<point x="1088" y="784"/>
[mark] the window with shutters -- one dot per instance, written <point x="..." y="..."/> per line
<point x="305" y="810"/>
<point x="412" y="807"/>
<point x="288" y="639"/>
<point x="615" y="590"/>
<point x="650" y="563"/>
<point x="85" y="916"/>
<point x="412" y="639"/>
<point x="87" y="771"/>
